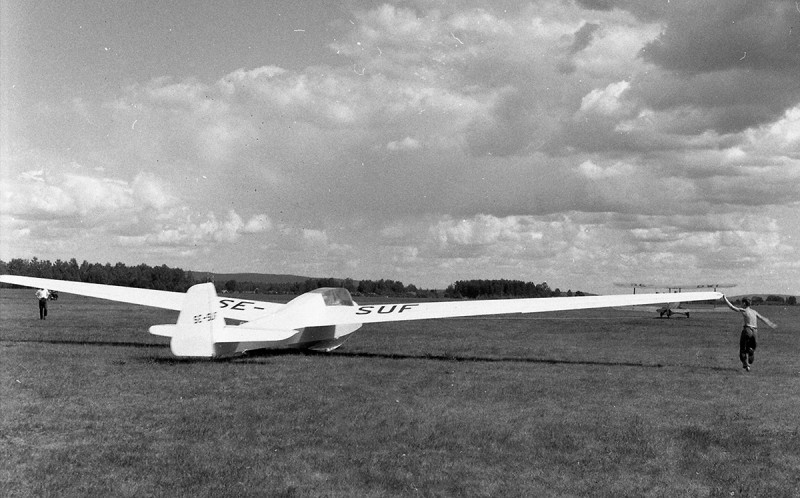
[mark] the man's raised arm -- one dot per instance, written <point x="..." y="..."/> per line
<point x="734" y="308"/>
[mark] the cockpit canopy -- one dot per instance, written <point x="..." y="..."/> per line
<point x="335" y="296"/>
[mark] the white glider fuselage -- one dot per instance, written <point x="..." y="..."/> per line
<point x="311" y="338"/>
<point x="201" y="330"/>
<point x="319" y="320"/>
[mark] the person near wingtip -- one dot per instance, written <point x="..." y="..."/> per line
<point x="43" y="295"/>
<point x="747" y="341"/>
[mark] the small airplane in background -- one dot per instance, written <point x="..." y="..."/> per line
<point x="319" y="320"/>
<point x="673" y="308"/>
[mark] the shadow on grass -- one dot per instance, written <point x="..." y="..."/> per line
<point x="255" y="356"/>
<point x="83" y="342"/>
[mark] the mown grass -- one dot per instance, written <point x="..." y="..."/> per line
<point x="604" y="403"/>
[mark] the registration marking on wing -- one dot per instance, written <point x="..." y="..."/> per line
<point x="385" y="309"/>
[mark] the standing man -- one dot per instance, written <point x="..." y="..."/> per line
<point x="43" y="295"/>
<point x="747" y="341"/>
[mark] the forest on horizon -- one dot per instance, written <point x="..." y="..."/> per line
<point x="178" y="280"/>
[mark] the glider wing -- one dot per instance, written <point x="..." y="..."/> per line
<point x="374" y="313"/>
<point x="237" y="309"/>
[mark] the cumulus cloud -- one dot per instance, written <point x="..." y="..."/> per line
<point x="779" y="139"/>
<point x="91" y="199"/>
<point x="407" y="143"/>
<point x="605" y="101"/>
<point x="148" y="192"/>
<point x="595" y="172"/>
<point x="316" y="237"/>
<point x="194" y="233"/>
<point x="753" y="35"/>
<point x="496" y="241"/>
<point x="583" y="136"/>
<point x="739" y="61"/>
<point x="41" y="205"/>
<point x="257" y="224"/>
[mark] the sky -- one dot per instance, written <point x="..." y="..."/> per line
<point x="580" y="143"/>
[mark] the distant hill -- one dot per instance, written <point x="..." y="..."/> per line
<point x="261" y="278"/>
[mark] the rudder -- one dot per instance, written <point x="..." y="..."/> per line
<point x="198" y="322"/>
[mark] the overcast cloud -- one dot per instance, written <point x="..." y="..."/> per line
<point x="575" y="142"/>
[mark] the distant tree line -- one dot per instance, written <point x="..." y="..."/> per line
<point x="142" y="276"/>
<point x="503" y="288"/>
<point x="472" y="289"/>
<point x="771" y="299"/>
<point x="178" y="280"/>
<point x="357" y="288"/>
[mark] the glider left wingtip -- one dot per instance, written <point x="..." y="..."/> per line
<point x="13" y="280"/>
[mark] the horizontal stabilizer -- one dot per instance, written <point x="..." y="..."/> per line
<point x="241" y="334"/>
<point x="230" y="333"/>
<point x="166" y="330"/>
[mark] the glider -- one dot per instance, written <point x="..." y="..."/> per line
<point x="673" y="307"/>
<point x="319" y="320"/>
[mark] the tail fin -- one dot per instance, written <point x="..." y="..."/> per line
<point x="198" y="323"/>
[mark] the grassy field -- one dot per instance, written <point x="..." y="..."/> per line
<point x="589" y="403"/>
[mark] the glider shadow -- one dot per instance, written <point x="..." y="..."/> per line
<point x="257" y="357"/>
<point x="254" y="356"/>
<point x="83" y="342"/>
